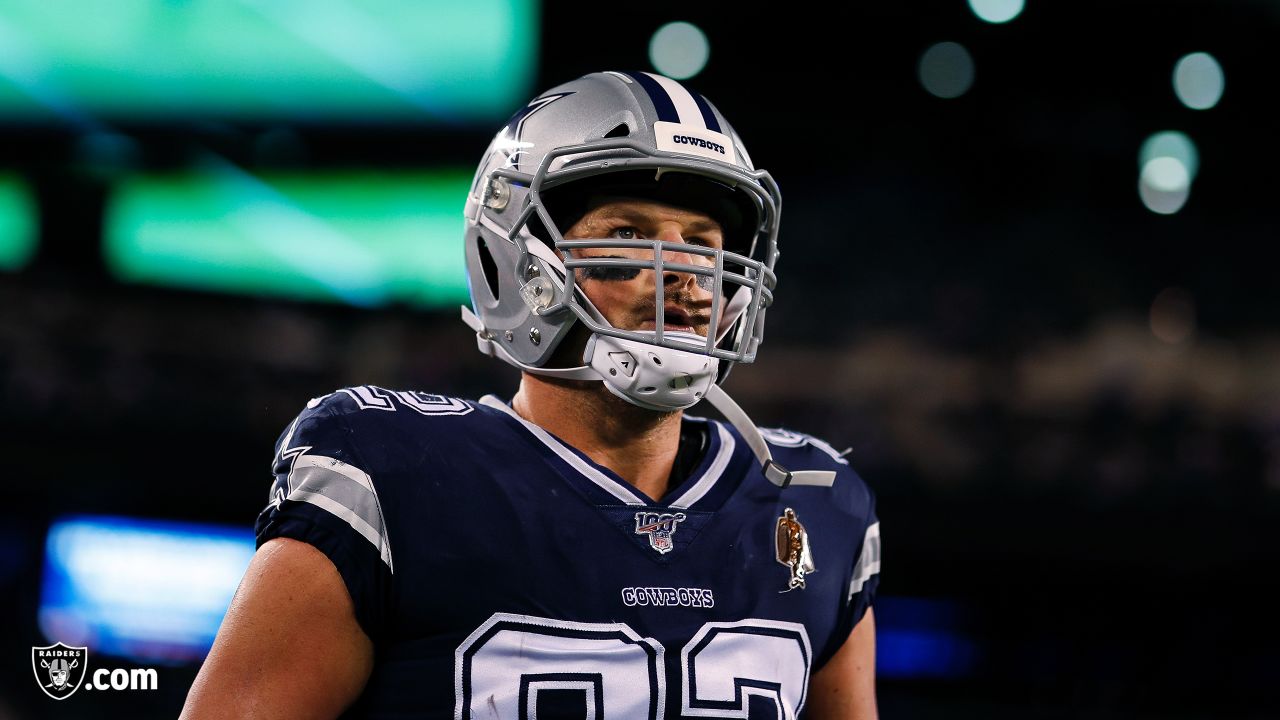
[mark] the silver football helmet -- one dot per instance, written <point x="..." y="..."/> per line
<point x="623" y="135"/>
<point x="633" y="134"/>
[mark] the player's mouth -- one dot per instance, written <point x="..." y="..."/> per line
<point x="677" y="319"/>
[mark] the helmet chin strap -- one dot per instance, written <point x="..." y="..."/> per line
<point x="776" y="474"/>
<point x="714" y="394"/>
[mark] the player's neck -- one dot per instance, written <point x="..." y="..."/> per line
<point x="639" y="445"/>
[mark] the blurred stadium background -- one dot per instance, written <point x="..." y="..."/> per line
<point x="1025" y="277"/>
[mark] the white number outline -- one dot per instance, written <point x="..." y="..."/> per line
<point x="592" y="689"/>
<point x="372" y="397"/>
<point x="744" y="688"/>
<point x="428" y="404"/>
<point x="545" y="627"/>
<point x="738" y="707"/>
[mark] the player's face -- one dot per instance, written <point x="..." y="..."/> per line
<point x="626" y="297"/>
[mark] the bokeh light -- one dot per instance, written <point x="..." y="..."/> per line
<point x="19" y="223"/>
<point x="946" y="70"/>
<point x="1171" y="143"/>
<point x="1168" y="161"/>
<point x="1164" y="185"/>
<point x="996" y="11"/>
<point x="402" y="59"/>
<point x="1198" y="81"/>
<point x="1166" y="174"/>
<point x="679" y="50"/>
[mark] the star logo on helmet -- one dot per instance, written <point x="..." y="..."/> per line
<point x="509" y="142"/>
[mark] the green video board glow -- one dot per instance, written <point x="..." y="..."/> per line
<point x="363" y="238"/>
<point x="18" y="223"/>
<point x="356" y="60"/>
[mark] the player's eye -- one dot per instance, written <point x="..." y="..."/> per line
<point x="625" y="232"/>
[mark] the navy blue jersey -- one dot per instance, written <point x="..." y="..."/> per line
<point x="502" y="573"/>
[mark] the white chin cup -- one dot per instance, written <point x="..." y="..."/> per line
<point x="653" y="377"/>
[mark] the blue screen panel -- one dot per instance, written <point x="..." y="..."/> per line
<point x="144" y="589"/>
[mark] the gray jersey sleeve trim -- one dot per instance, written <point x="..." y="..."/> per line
<point x="868" y="562"/>
<point x="344" y="491"/>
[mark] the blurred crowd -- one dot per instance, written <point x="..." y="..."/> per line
<point x="1109" y="413"/>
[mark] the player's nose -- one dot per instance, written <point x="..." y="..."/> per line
<point x="674" y="235"/>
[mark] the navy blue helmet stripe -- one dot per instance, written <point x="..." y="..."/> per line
<point x="661" y="100"/>
<point x="708" y="115"/>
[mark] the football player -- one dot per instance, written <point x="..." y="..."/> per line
<point x="585" y="549"/>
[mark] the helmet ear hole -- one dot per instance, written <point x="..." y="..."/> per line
<point x="620" y="131"/>
<point x="490" y="268"/>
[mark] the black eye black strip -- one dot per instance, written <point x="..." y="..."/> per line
<point x="598" y="272"/>
<point x="609" y="273"/>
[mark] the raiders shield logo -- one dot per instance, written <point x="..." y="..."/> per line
<point x="59" y="669"/>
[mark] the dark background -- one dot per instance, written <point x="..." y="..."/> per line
<point x="965" y="299"/>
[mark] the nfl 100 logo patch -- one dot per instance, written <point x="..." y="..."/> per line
<point x="659" y="527"/>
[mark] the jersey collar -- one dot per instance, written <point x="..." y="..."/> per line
<point x="688" y="494"/>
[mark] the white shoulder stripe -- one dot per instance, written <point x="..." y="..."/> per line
<point x="868" y="562"/>
<point x="344" y="491"/>
<point x="350" y="472"/>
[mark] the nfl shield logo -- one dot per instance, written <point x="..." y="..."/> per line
<point x="59" y="669"/>
<point x="659" y="527"/>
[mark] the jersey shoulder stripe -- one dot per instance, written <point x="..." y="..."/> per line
<point x="344" y="491"/>
<point x="316" y="466"/>
<point x="868" y="563"/>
